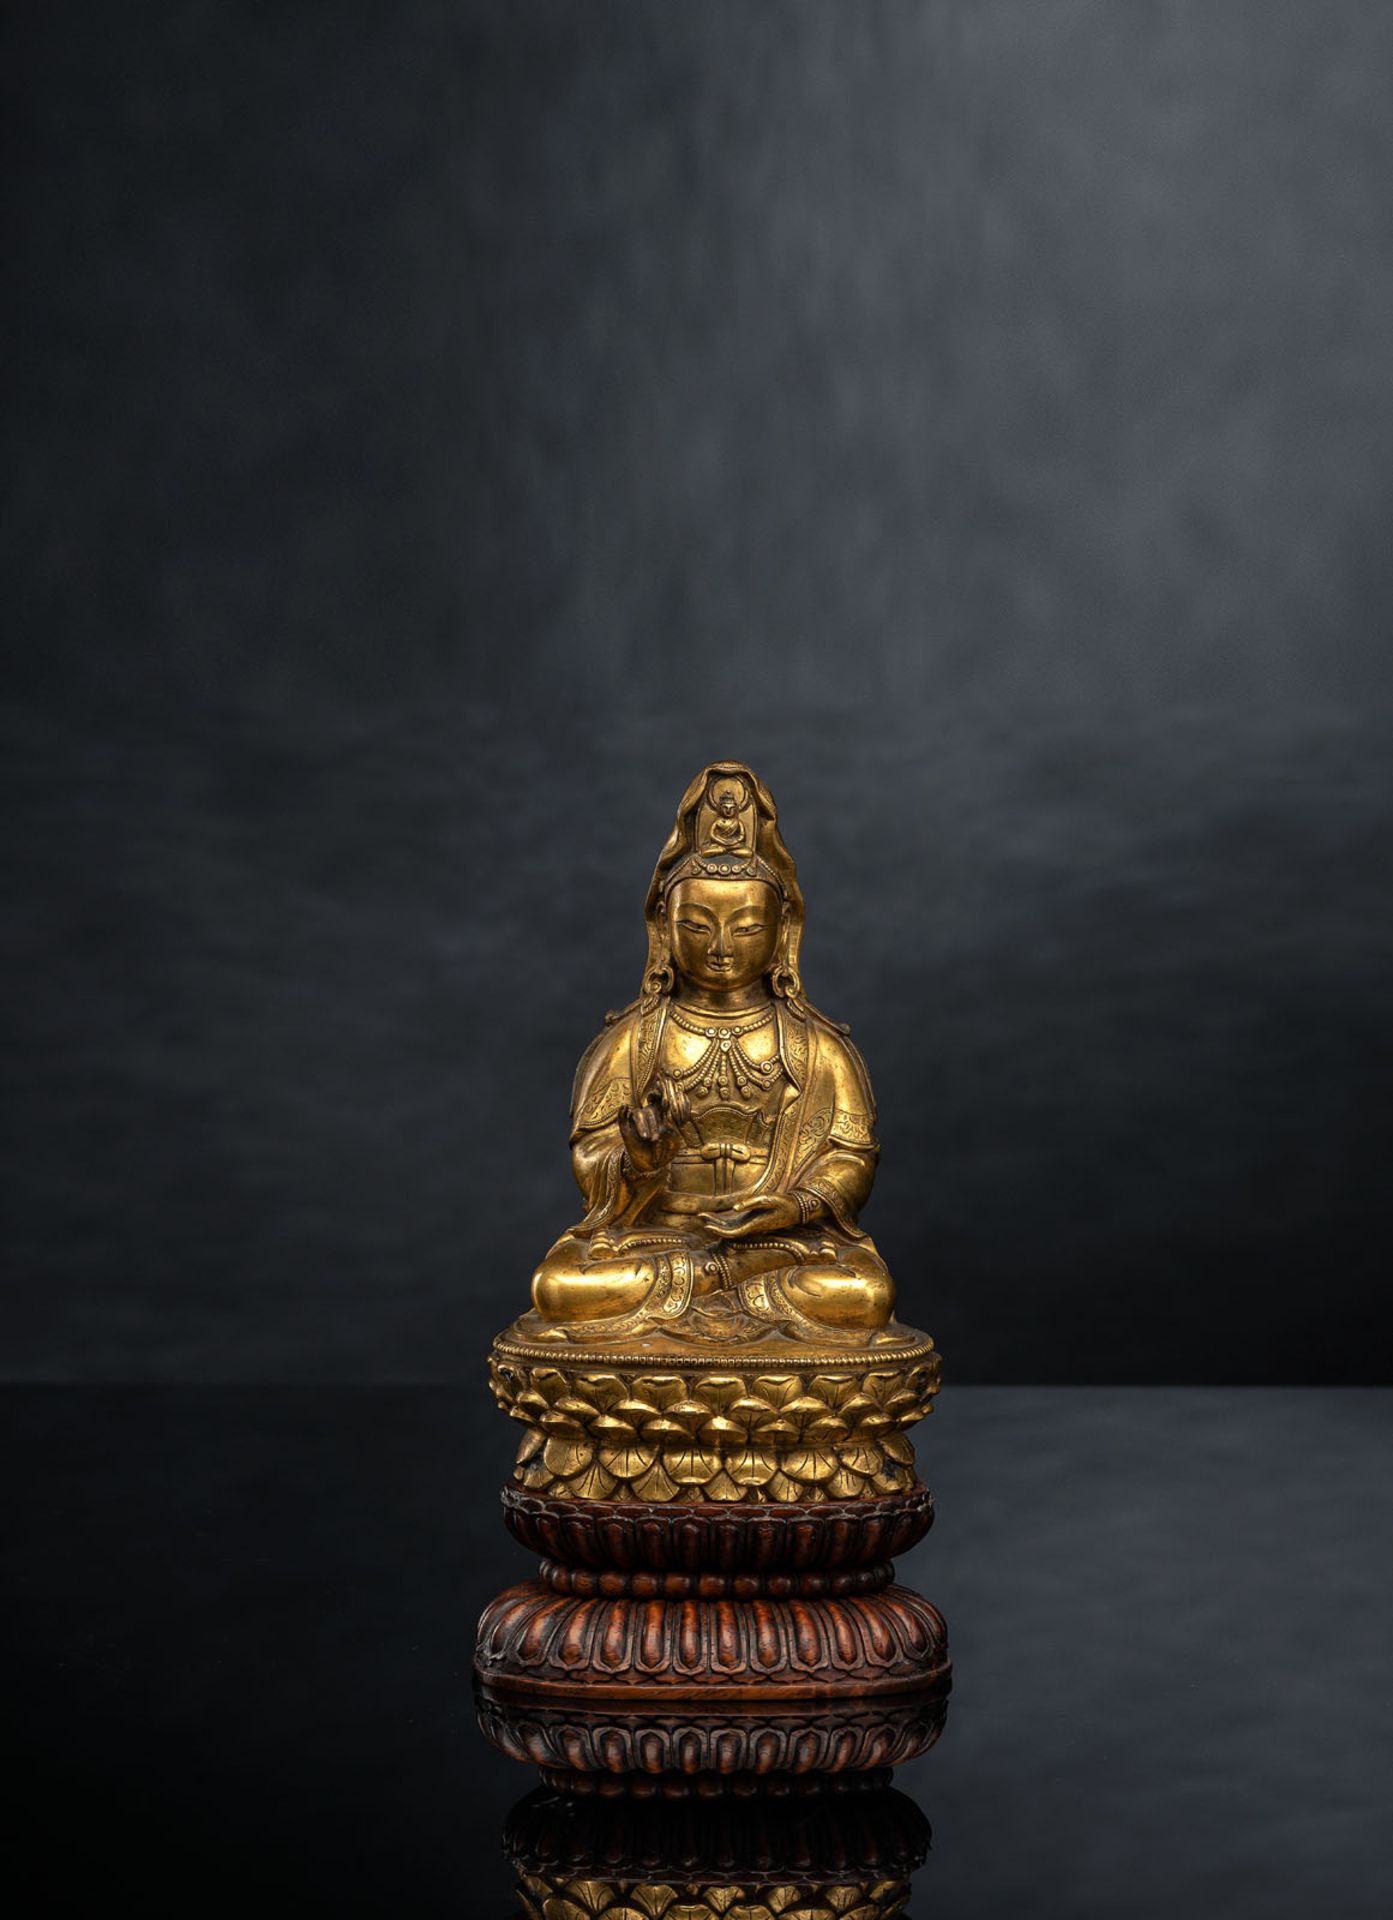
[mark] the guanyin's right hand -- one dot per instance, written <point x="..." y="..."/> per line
<point x="650" y="1128"/>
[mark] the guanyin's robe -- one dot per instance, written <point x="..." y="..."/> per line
<point x="779" y="1103"/>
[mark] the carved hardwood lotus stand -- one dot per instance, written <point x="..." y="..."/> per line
<point x="716" y="1545"/>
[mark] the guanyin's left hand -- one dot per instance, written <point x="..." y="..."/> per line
<point x="768" y="1213"/>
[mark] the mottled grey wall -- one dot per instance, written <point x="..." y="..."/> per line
<point x="436" y="429"/>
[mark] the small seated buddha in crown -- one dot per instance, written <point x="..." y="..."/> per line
<point x="722" y="1130"/>
<point x="721" y="823"/>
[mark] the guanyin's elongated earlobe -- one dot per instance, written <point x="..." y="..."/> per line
<point x="659" y="976"/>
<point x="785" y="980"/>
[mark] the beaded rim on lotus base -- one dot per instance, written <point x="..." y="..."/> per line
<point x="715" y="1425"/>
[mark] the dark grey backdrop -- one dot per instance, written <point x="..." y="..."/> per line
<point x="436" y="429"/>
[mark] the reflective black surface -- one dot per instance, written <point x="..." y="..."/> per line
<point x="243" y="1619"/>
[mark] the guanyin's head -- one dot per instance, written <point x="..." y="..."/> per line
<point x="724" y="909"/>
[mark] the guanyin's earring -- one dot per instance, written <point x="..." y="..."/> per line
<point x="660" y="977"/>
<point x="783" y="977"/>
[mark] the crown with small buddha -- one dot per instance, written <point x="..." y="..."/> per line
<point x="727" y="828"/>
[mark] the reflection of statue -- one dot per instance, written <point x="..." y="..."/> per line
<point x="722" y="1130"/>
<point x="810" y="1852"/>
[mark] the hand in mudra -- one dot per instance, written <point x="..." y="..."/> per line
<point x="766" y="1213"/>
<point x="650" y="1129"/>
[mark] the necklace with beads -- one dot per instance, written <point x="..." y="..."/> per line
<point x="724" y="1062"/>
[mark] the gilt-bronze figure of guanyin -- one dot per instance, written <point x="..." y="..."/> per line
<point x="722" y="1129"/>
<point x="711" y="1365"/>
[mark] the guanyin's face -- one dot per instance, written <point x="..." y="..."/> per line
<point x="724" y="933"/>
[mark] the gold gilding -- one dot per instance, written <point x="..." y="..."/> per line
<point x="717" y="1326"/>
<point x="629" y="1431"/>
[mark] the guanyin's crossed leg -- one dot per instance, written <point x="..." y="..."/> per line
<point x="608" y="1278"/>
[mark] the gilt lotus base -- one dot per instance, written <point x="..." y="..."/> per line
<point x="768" y="1423"/>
